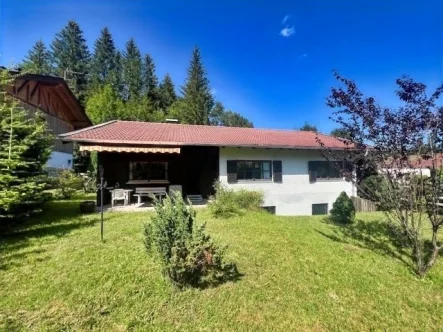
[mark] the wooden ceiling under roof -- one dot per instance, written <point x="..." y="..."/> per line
<point x="50" y="95"/>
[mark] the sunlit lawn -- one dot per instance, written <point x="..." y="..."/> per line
<point x="299" y="273"/>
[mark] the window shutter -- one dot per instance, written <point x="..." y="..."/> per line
<point x="232" y="171"/>
<point x="277" y="170"/>
<point x="312" y="171"/>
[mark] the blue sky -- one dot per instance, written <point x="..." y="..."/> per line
<point x="271" y="61"/>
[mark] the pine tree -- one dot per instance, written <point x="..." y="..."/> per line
<point x="132" y="71"/>
<point x="71" y="57"/>
<point x="25" y="147"/>
<point x="116" y="76"/>
<point x="150" y="80"/>
<point x="38" y="60"/>
<point x="167" y="95"/>
<point x="197" y="95"/>
<point x="103" y="59"/>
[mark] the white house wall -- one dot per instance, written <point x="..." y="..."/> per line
<point x="295" y="195"/>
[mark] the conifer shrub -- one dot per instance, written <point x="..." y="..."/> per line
<point x="343" y="210"/>
<point x="188" y="254"/>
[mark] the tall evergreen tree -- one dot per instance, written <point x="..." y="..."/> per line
<point x="132" y="71"/>
<point x="150" y="80"/>
<point x="38" y="60"/>
<point x="103" y="60"/>
<point x="71" y="58"/>
<point x="116" y="76"/>
<point x="197" y="96"/>
<point x="167" y="95"/>
<point x="25" y="147"/>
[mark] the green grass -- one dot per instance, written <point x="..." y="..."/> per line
<point x="299" y="273"/>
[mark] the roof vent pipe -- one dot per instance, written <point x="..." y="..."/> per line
<point x="171" y="121"/>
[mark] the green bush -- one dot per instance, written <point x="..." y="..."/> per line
<point x="67" y="184"/>
<point x="228" y="202"/>
<point x="343" y="210"/>
<point x="188" y="254"/>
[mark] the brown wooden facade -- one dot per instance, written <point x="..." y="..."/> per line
<point x="194" y="168"/>
<point x="53" y="98"/>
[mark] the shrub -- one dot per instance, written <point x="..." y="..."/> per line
<point x="228" y="202"/>
<point x="343" y="210"/>
<point x="68" y="183"/>
<point x="188" y="254"/>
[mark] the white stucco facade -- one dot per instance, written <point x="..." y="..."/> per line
<point x="60" y="160"/>
<point x="296" y="194"/>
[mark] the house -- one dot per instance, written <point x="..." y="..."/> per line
<point x="287" y="165"/>
<point x="62" y="111"/>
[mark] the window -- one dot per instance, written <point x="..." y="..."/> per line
<point x="148" y="170"/>
<point x="254" y="170"/>
<point x="319" y="209"/>
<point x="325" y="170"/>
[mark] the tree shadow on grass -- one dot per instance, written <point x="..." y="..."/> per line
<point x="378" y="236"/>
<point x="57" y="219"/>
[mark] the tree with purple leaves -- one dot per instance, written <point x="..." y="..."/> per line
<point x="404" y="144"/>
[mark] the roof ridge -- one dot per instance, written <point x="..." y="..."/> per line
<point x="209" y="126"/>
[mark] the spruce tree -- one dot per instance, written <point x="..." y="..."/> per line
<point x="25" y="147"/>
<point x="103" y="59"/>
<point x="167" y="95"/>
<point x="197" y="95"/>
<point x="38" y="60"/>
<point x="71" y="57"/>
<point x="132" y="71"/>
<point x="150" y="80"/>
<point x="116" y="76"/>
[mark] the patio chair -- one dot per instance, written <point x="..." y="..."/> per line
<point x="118" y="195"/>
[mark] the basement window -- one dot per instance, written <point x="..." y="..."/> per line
<point x="319" y="209"/>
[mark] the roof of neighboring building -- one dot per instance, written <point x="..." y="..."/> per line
<point x="149" y="133"/>
<point x="34" y="89"/>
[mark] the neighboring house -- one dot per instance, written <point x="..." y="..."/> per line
<point x="287" y="165"/>
<point x="62" y="111"/>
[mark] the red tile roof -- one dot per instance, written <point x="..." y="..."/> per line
<point x="149" y="133"/>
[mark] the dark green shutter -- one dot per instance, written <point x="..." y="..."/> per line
<point x="312" y="171"/>
<point x="232" y="171"/>
<point x="277" y="171"/>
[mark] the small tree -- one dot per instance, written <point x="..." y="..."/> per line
<point x="68" y="183"/>
<point x="25" y="147"/>
<point x="404" y="144"/>
<point x="343" y="210"/>
<point x="188" y="254"/>
<point x="308" y="127"/>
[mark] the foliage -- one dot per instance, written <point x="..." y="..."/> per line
<point x="197" y="97"/>
<point x="71" y="58"/>
<point x="132" y="71"/>
<point x="38" y="60"/>
<point x="166" y="91"/>
<point x="104" y="105"/>
<point x="123" y="85"/>
<point x="400" y="143"/>
<point x="188" y="254"/>
<point x="221" y="117"/>
<point x="340" y="132"/>
<point x="25" y="147"/>
<point x="309" y="127"/>
<point x="68" y="183"/>
<point x="228" y="202"/>
<point x="103" y="63"/>
<point x="150" y="80"/>
<point x="343" y="210"/>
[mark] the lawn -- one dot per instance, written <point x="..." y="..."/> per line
<point x="298" y="273"/>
